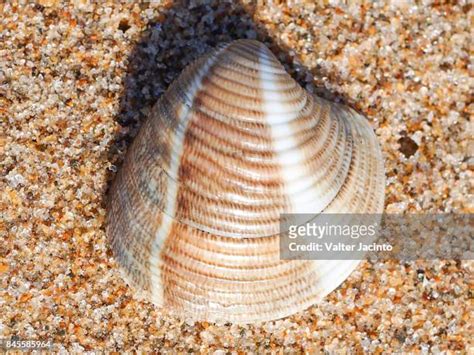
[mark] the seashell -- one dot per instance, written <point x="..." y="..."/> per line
<point x="193" y="215"/>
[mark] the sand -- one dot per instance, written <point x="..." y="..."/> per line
<point x="76" y="83"/>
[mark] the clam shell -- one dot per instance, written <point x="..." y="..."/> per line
<point x="194" y="212"/>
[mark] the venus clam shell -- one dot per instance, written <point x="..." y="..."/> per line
<point x="193" y="214"/>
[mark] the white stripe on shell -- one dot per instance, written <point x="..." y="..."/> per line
<point x="298" y="181"/>
<point x="177" y="141"/>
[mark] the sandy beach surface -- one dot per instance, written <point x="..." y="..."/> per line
<point x="76" y="82"/>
